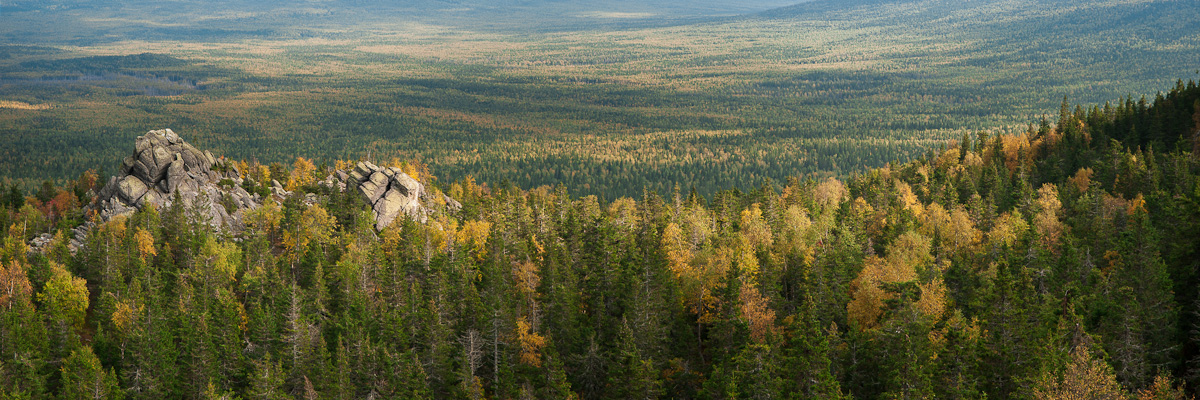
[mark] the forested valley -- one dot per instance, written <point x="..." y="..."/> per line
<point x="616" y="97"/>
<point x="1057" y="263"/>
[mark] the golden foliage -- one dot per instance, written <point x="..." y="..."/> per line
<point x="961" y="231"/>
<point x="678" y="251"/>
<point x="65" y="296"/>
<point x="260" y="173"/>
<point x="1082" y="179"/>
<point x="1013" y="146"/>
<point x="936" y="218"/>
<point x="315" y="226"/>
<point x="145" y="243"/>
<point x="697" y="224"/>
<point x="698" y="272"/>
<point x="125" y="317"/>
<point x="909" y="251"/>
<point x="830" y="193"/>
<point x="88" y="179"/>
<point x="755" y="228"/>
<point x="469" y="187"/>
<point x="265" y="219"/>
<point x="113" y="231"/>
<point x="303" y="174"/>
<point x="220" y="260"/>
<point x="525" y="273"/>
<point x="1086" y="378"/>
<point x="531" y="343"/>
<point x="18" y="105"/>
<point x="972" y="160"/>
<point x="955" y="228"/>
<point x="1137" y="205"/>
<point x="797" y="236"/>
<point x="441" y="231"/>
<point x="747" y="260"/>
<point x="14" y="247"/>
<point x="476" y="234"/>
<point x="707" y="280"/>
<point x="756" y="312"/>
<point x="1008" y="227"/>
<point x="866" y="304"/>
<point x="415" y="169"/>
<point x="1161" y="389"/>
<point x="344" y="165"/>
<point x="933" y="299"/>
<point x="243" y="169"/>
<point x="14" y="284"/>
<point x="909" y="199"/>
<point x="948" y="160"/>
<point x="624" y="212"/>
<point x="1046" y="221"/>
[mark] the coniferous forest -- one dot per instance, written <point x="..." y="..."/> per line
<point x="1060" y="263"/>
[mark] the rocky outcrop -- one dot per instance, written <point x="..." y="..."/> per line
<point x="387" y="190"/>
<point x="163" y="168"/>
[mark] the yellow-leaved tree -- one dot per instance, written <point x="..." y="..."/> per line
<point x="531" y="343"/>
<point x="699" y="271"/>
<point x="756" y="312"/>
<point x="1082" y="179"/>
<point x="316" y="226"/>
<point x="475" y="234"/>
<point x="905" y="257"/>
<point x="14" y="284"/>
<point x="1046" y="221"/>
<point x="145" y="244"/>
<point x="303" y="174"/>
<point x="1007" y="229"/>
<point x="755" y="228"/>
<point x="1086" y="377"/>
<point x="64" y="301"/>
<point x="677" y="249"/>
<point x="830" y="193"/>
<point x="797" y="237"/>
<point x="908" y="199"/>
<point x="955" y="228"/>
<point x="1162" y="389"/>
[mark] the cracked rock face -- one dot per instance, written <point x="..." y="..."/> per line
<point x="389" y="191"/>
<point x="164" y="166"/>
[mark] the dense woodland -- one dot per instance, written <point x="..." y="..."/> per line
<point x="829" y="87"/>
<point x="1059" y="263"/>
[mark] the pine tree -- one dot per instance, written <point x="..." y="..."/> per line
<point x="84" y="378"/>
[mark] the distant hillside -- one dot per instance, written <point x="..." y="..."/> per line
<point x="608" y="98"/>
<point x="1122" y="36"/>
<point x="1048" y="26"/>
<point x="88" y="22"/>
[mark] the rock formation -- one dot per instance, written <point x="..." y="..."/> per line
<point x="164" y="167"/>
<point x="388" y="191"/>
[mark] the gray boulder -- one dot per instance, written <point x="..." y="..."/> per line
<point x="389" y="191"/>
<point x="163" y="168"/>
